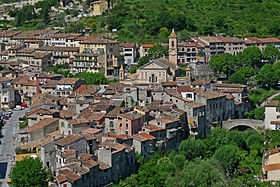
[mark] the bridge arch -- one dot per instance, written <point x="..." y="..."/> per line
<point x="242" y="123"/>
<point x="242" y="126"/>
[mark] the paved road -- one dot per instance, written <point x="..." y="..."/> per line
<point x="7" y="148"/>
<point x="270" y="98"/>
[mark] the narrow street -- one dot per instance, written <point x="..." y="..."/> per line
<point x="8" y="145"/>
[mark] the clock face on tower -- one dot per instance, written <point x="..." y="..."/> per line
<point x="172" y="52"/>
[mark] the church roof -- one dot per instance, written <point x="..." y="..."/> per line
<point x="161" y="62"/>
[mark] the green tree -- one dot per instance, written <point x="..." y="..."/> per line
<point x="229" y="157"/>
<point x="250" y="57"/>
<point x="142" y="61"/>
<point x="215" y="140"/>
<point x="267" y="77"/>
<point x="163" y="34"/>
<point x="157" y="51"/>
<point x="198" y="173"/>
<point x="184" y="35"/>
<point x="192" y="149"/>
<point x="257" y="113"/>
<point x="236" y="138"/>
<point x="92" y="78"/>
<point x="242" y="76"/>
<point x="222" y="63"/>
<point x="254" y="138"/>
<point x="271" y="54"/>
<point x="29" y="172"/>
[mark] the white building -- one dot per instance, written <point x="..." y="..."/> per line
<point x="128" y="50"/>
<point x="272" y="115"/>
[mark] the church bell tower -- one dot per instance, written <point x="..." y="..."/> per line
<point x="173" y="53"/>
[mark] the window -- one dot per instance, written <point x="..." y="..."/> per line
<point x="172" y="43"/>
<point x="62" y="124"/>
<point x="69" y="126"/>
<point x="120" y="124"/>
<point x="111" y="124"/>
<point x="126" y="126"/>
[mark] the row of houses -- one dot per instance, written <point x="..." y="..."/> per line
<point x="197" y="49"/>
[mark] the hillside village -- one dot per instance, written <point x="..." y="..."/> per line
<point x="90" y="106"/>
<point x="89" y="135"/>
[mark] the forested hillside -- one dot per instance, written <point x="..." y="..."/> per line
<point x="152" y="20"/>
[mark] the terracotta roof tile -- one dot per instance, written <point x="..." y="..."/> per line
<point x="142" y="137"/>
<point x="43" y="123"/>
<point x="69" y="81"/>
<point x="201" y="82"/>
<point x="271" y="167"/>
<point x="211" y="94"/>
<point x="68" y="140"/>
<point x="273" y="103"/>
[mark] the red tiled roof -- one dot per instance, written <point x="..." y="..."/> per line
<point x="148" y="136"/>
<point x="148" y="45"/>
<point x="201" y="82"/>
<point x="91" y="131"/>
<point x="128" y="45"/>
<point x="152" y="127"/>
<point x="42" y="123"/>
<point x="31" y="41"/>
<point x="271" y="167"/>
<point x="61" y="179"/>
<point x="69" y="81"/>
<point x="69" y="139"/>
<point x="273" y="151"/>
<point x="275" y="122"/>
<point x="169" y="83"/>
<point x="68" y="152"/>
<point x="184" y="89"/>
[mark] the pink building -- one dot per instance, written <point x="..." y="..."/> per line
<point x="130" y="123"/>
<point x="43" y="78"/>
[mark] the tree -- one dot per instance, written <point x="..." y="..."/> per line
<point x="29" y="172"/>
<point x="257" y="113"/>
<point x="236" y="138"/>
<point x="198" y="173"/>
<point x="222" y="64"/>
<point x="92" y="78"/>
<point x="192" y="149"/>
<point x="40" y="26"/>
<point x="271" y="54"/>
<point x="253" y="139"/>
<point x="267" y="77"/>
<point x="215" y="140"/>
<point x="242" y="76"/>
<point x="142" y="61"/>
<point x="157" y="51"/>
<point x="163" y="34"/>
<point x="184" y="35"/>
<point x="250" y="57"/>
<point x="229" y="157"/>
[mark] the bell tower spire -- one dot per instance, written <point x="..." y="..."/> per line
<point x="173" y="51"/>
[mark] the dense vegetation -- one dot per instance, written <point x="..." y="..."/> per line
<point x="94" y="78"/>
<point x="222" y="159"/>
<point x="145" y="20"/>
<point x="251" y="66"/>
<point x="30" y="172"/>
<point x="89" y="77"/>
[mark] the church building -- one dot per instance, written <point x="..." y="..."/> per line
<point x="161" y="70"/>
